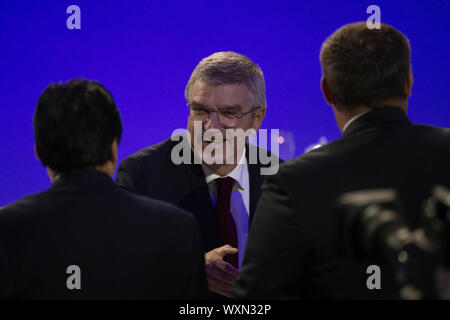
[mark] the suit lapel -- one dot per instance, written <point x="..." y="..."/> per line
<point x="255" y="177"/>
<point x="193" y="196"/>
<point x="255" y="181"/>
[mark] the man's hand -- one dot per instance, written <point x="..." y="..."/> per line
<point x="221" y="274"/>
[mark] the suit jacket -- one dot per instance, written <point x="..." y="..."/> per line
<point x="126" y="246"/>
<point x="151" y="172"/>
<point x="293" y="246"/>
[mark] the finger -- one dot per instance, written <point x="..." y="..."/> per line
<point x="222" y="292"/>
<point x="219" y="290"/>
<point x="219" y="253"/>
<point x="220" y="275"/>
<point x="213" y="281"/>
<point x="227" y="268"/>
<point x="225" y="250"/>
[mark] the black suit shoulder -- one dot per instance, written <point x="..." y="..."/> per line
<point x="155" y="157"/>
<point x="120" y="239"/>
<point x="146" y="214"/>
<point x="152" y="153"/>
<point x="339" y="153"/>
<point x="145" y="169"/>
<point x="141" y="207"/>
<point x="434" y="137"/>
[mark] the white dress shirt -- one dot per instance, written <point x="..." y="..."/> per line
<point x="240" y="200"/>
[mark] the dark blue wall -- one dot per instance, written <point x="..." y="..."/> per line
<point x="144" y="52"/>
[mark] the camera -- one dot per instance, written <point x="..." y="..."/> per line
<point x="374" y="225"/>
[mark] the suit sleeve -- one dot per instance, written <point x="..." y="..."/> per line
<point x="272" y="263"/>
<point x="197" y="283"/>
<point x="129" y="175"/>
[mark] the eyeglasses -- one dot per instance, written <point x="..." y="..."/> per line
<point x="227" y="118"/>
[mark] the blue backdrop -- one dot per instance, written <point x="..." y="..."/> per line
<point x="145" y="51"/>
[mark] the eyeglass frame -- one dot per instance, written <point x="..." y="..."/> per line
<point x="241" y="114"/>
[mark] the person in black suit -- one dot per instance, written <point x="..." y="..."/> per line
<point x="84" y="237"/>
<point x="221" y="188"/>
<point x="293" y="246"/>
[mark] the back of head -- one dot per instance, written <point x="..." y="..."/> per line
<point x="229" y="68"/>
<point x="365" y="66"/>
<point x="75" y="124"/>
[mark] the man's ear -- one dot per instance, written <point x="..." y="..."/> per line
<point x="326" y="91"/>
<point x="409" y="83"/>
<point x="114" y="151"/>
<point x="259" y="117"/>
<point x="36" y="153"/>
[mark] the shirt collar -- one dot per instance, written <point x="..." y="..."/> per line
<point x="349" y="122"/>
<point x="237" y="173"/>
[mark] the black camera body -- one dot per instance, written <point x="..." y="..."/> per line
<point x="375" y="226"/>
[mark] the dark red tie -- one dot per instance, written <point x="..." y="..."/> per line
<point x="227" y="225"/>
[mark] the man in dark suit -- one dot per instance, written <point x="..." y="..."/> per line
<point x="293" y="246"/>
<point x="215" y="176"/>
<point x="86" y="238"/>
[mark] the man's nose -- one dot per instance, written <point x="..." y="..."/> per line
<point x="213" y="122"/>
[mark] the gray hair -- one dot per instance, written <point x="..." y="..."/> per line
<point x="229" y="68"/>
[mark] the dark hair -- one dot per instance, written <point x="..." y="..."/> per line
<point x="75" y="124"/>
<point x="365" y="66"/>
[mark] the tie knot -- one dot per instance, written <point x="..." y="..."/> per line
<point x="225" y="185"/>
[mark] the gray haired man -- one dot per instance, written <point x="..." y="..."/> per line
<point x="220" y="184"/>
